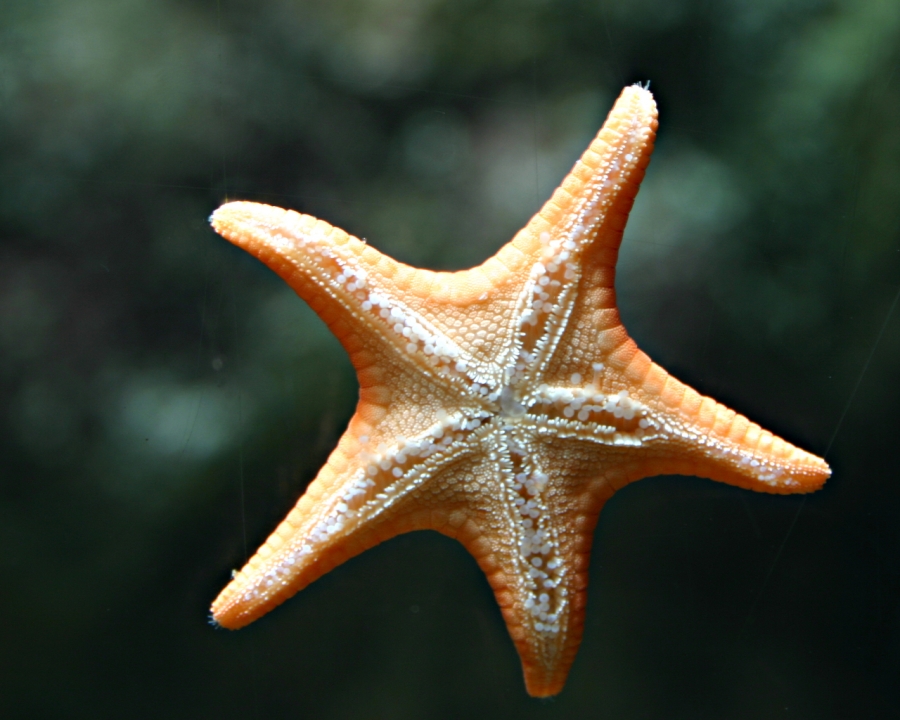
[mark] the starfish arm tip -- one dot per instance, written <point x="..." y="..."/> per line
<point x="228" y="612"/>
<point x="815" y="472"/>
<point x="236" y="218"/>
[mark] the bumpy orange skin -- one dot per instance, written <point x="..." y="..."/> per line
<point x="502" y="405"/>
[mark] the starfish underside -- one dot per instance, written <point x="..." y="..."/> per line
<point x="501" y="405"/>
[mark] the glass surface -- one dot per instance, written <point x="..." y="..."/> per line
<point x="165" y="398"/>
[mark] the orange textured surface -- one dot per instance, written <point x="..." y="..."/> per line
<point x="501" y="405"/>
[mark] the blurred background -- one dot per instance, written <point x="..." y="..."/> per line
<point x="164" y="398"/>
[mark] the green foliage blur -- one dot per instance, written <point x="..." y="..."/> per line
<point x="164" y="399"/>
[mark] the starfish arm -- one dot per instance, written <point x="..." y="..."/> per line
<point x="368" y="300"/>
<point x="538" y="530"/>
<point x="361" y="497"/>
<point x="591" y="205"/>
<point x="546" y="656"/>
<point x="582" y="222"/>
<point x="672" y="429"/>
<point x="705" y="438"/>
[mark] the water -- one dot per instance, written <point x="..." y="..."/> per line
<point x="165" y="398"/>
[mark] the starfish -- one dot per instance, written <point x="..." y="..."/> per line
<point x="501" y="405"/>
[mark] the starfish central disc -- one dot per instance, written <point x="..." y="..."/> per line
<point x="501" y="405"/>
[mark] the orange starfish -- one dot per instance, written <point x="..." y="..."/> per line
<point x="502" y="405"/>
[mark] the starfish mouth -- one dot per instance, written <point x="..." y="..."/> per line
<point x="510" y="407"/>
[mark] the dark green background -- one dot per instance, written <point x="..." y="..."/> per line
<point x="164" y="398"/>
